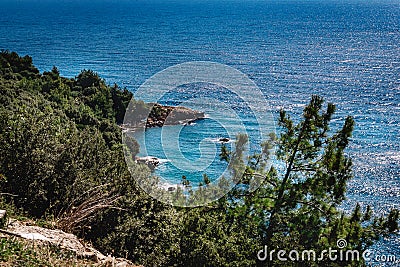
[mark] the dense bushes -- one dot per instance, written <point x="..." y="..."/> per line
<point x="54" y="146"/>
<point x="61" y="157"/>
<point x="16" y="67"/>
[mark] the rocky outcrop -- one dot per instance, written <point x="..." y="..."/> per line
<point x="167" y="115"/>
<point x="62" y="240"/>
<point x="158" y="116"/>
<point x="151" y="162"/>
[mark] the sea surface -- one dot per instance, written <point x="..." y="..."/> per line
<point x="347" y="51"/>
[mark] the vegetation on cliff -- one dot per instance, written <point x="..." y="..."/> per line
<point x="61" y="160"/>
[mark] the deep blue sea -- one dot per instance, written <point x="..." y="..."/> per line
<point x="347" y="51"/>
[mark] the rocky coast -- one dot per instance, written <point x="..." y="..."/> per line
<point x="167" y="115"/>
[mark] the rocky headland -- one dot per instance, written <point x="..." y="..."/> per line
<point x="155" y="115"/>
<point x="167" y="115"/>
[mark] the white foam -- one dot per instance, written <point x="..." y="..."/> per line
<point x="163" y="160"/>
<point x="166" y="186"/>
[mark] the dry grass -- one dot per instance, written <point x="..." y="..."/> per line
<point x="85" y="208"/>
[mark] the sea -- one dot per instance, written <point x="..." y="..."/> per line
<point x="347" y="51"/>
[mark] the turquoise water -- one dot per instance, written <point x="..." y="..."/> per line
<point x="189" y="138"/>
<point x="346" y="51"/>
<point x="198" y="144"/>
